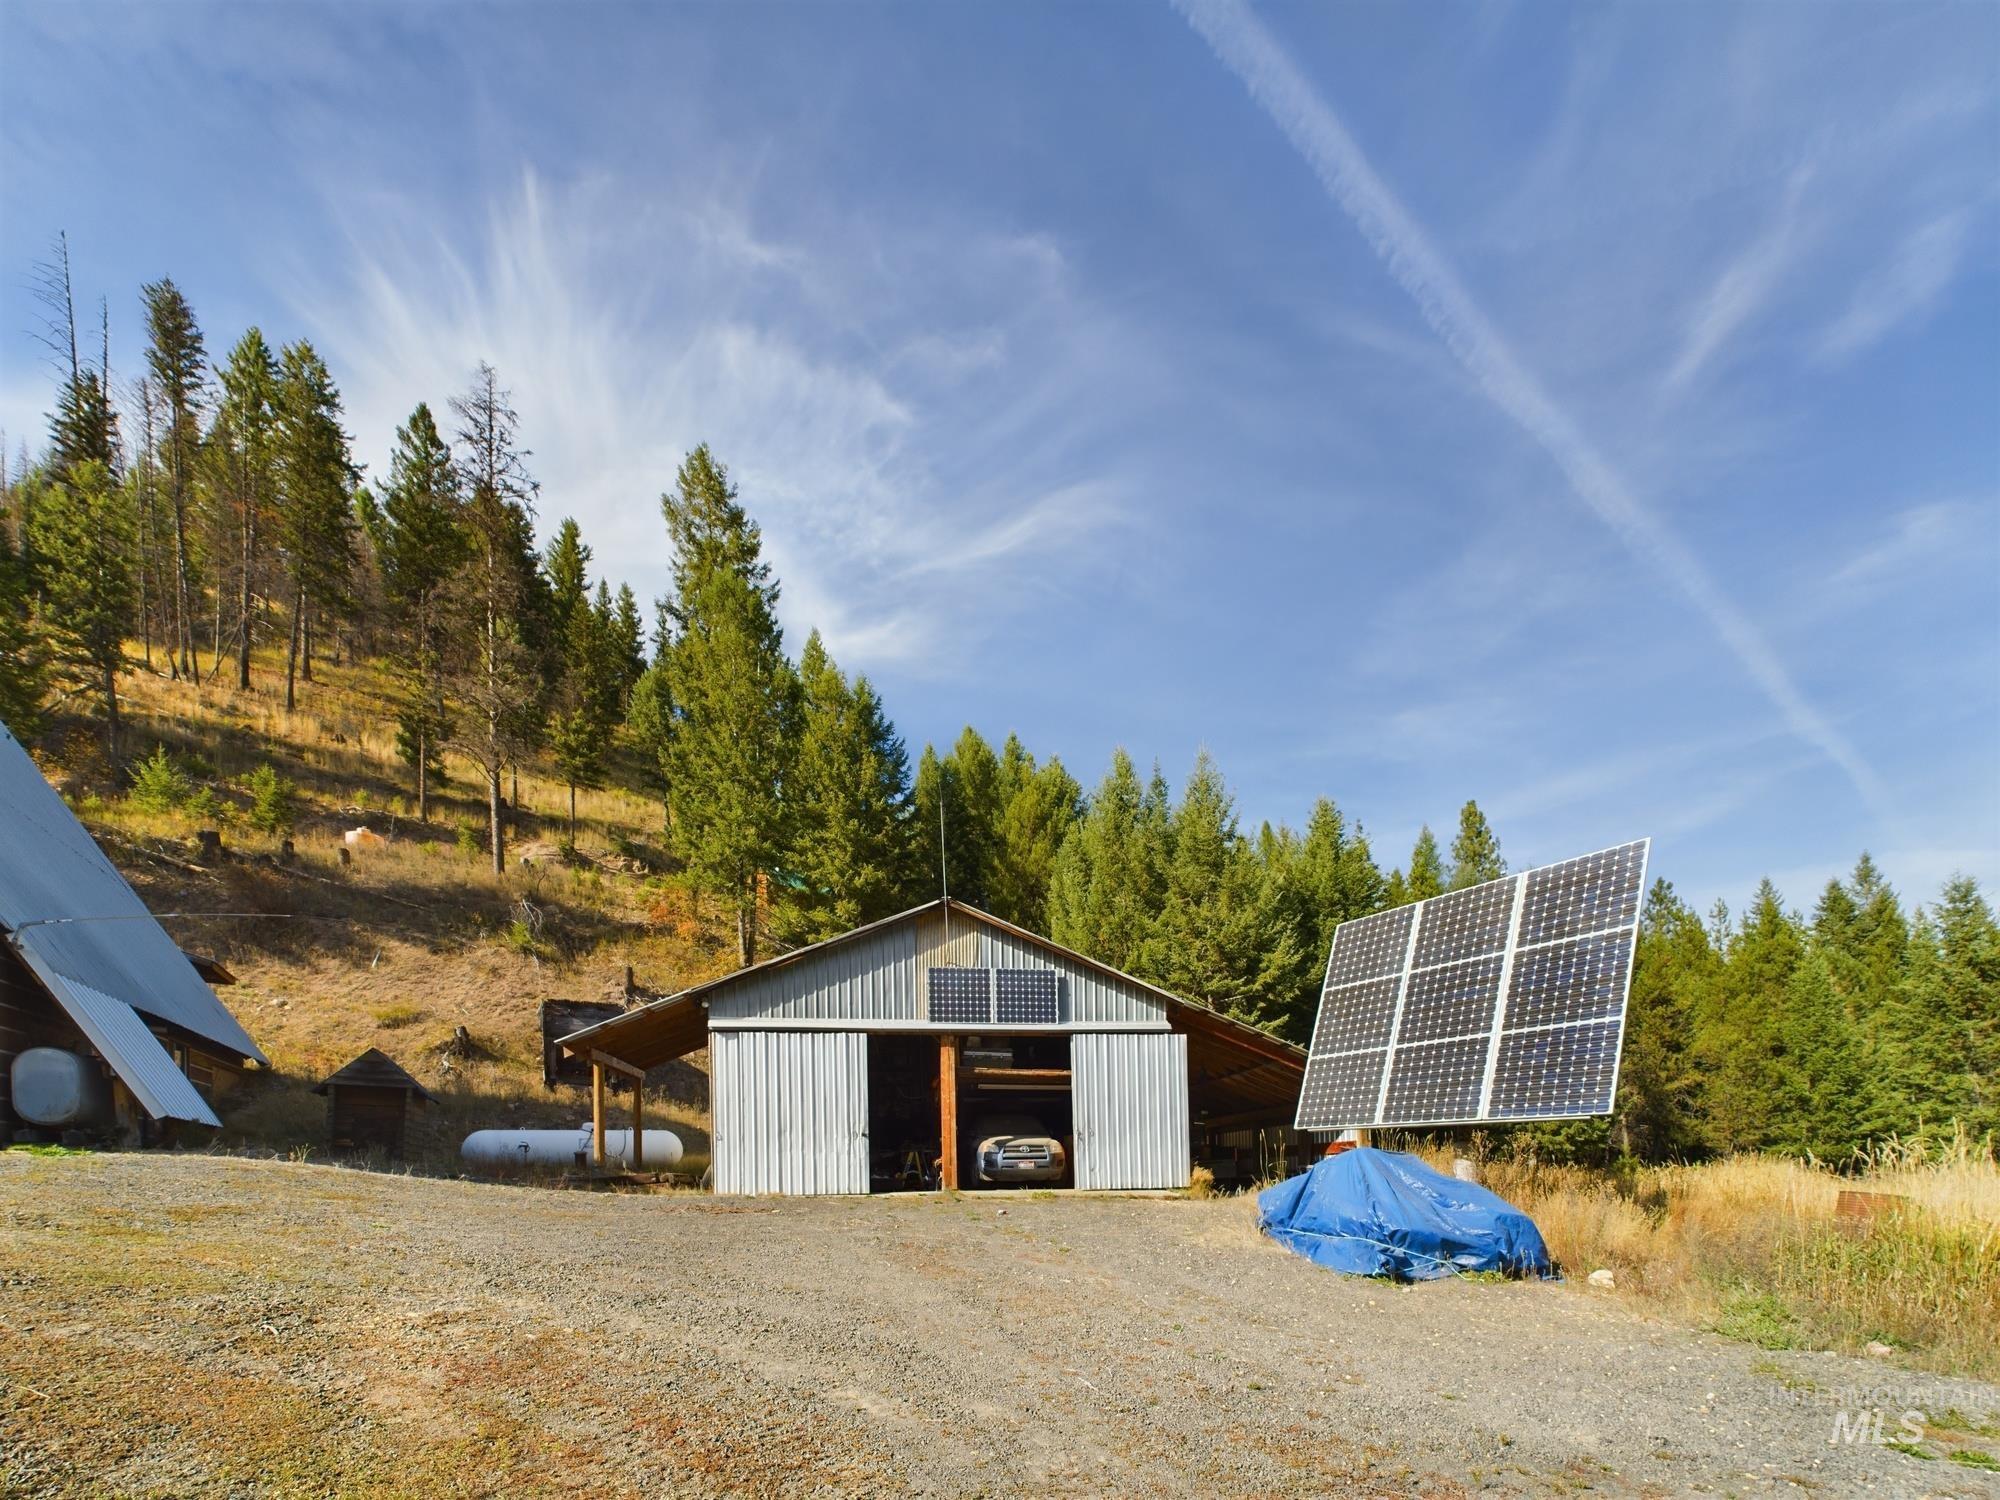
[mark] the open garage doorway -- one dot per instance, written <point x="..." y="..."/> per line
<point x="1016" y="1126"/>
<point x="904" y="1126"/>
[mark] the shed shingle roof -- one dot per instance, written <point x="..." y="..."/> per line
<point x="374" y="1069"/>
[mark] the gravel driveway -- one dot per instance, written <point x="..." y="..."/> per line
<point x="186" y="1324"/>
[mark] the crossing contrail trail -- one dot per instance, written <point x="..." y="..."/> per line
<point x="1242" y="45"/>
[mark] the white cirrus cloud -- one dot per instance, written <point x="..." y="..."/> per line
<point x="1903" y="290"/>
<point x="629" y="327"/>
<point x="1243" y="45"/>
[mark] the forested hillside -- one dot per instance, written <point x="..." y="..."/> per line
<point x="205" y="524"/>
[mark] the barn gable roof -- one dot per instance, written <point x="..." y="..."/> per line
<point x="1247" y="1064"/>
<point x="99" y="952"/>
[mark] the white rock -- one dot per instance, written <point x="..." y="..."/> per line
<point x="1602" y="1277"/>
<point x="1878" y="1350"/>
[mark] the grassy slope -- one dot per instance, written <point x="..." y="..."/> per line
<point x="416" y="937"/>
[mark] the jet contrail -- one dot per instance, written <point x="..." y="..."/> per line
<point x="1241" y="44"/>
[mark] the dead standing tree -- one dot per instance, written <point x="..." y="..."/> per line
<point x="497" y="596"/>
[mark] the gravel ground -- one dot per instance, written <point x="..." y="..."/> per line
<point x="213" y="1325"/>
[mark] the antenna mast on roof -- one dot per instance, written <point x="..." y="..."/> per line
<point x="944" y="879"/>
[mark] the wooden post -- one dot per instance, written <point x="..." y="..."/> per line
<point x="597" y="1113"/>
<point x="948" y="1111"/>
<point x="638" y="1124"/>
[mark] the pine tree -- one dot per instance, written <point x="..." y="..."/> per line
<point x="1952" y="1012"/>
<point x="1426" y="877"/>
<point x="22" y="672"/>
<point x="81" y="542"/>
<point x="177" y="361"/>
<point x="1038" y="806"/>
<point x="733" y="695"/>
<point x="244" y="448"/>
<point x="1313" y="884"/>
<point x="1658" y="1083"/>
<point x="965" y="787"/>
<point x="1475" y="853"/>
<point x="83" y="428"/>
<point x="631" y="637"/>
<point x="849" y="794"/>
<point x="422" y="547"/>
<point x="1209" y="937"/>
<point x="315" y="512"/>
<point x="1110" y="874"/>
<point x="499" y="603"/>
<point x="1819" y="1075"/>
<point x="567" y="565"/>
<point x="1738" y="1033"/>
<point x="586" y="709"/>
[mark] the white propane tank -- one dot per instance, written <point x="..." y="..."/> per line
<point x="498" y="1150"/>
<point x="61" y="1089"/>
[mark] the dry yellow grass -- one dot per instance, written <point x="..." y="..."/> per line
<point x="1752" y="1246"/>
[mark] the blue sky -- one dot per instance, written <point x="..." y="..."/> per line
<point x="1595" y="411"/>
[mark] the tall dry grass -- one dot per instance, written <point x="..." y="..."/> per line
<point x="1752" y="1246"/>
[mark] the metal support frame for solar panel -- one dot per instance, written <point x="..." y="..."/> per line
<point x="1502" y="1002"/>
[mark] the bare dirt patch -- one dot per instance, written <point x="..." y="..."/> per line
<point x="210" y="1325"/>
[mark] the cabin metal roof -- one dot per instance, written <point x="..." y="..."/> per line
<point x="88" y="937"/>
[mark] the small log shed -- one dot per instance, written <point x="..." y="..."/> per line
<point x="367" y="1103"/>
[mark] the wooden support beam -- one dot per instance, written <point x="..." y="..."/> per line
<point x="597" y="1113"/>
<point x="948" y="1111"/>
<point x="615" y="1064"/>
<point x="1017" y="1077"/>
<point x="639" y="1126"/>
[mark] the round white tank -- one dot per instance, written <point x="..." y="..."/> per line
<point x="61" y="1089"/>
<point x="497" y="1150"/>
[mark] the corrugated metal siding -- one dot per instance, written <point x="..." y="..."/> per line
<point x="1089" y="998"/>
<point x="880" y="977"/>
<point x="1129" y="1091"/>
<point x="791" y="1111"/>
<point x="57" y="891"/>
<point x="939" y="943"/>
<point x="873" y="978"/>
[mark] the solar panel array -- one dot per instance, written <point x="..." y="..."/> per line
<point x="984" y="997"/>
<point x="1503" y="1001"/>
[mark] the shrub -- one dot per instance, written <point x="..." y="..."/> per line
<point x="159" y="784"/>
<point x="274" y="801"/>
<point x="469" y="841"/>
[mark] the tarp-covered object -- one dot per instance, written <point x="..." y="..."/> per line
<point x="1384" y="1213"/>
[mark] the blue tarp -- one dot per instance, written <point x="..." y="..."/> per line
<point x="1384" y="1213"/>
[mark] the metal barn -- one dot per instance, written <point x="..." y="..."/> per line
<point x="866" y="1061"/>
